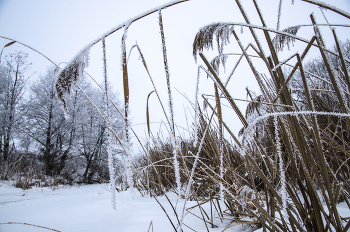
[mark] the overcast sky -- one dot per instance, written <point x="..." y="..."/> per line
<point x="60" y="28"/>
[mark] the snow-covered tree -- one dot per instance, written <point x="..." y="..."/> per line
<point x="12" y="89"/>
<point x="46" y="125"/>
<point x="75" y="142"/>
<point x="91" y="132"/>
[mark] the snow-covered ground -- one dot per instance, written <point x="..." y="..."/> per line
<point x="88" y="208"/>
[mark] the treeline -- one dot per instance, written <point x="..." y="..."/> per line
<point x="42" y="145"/>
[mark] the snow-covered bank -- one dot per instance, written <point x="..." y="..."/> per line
<point x="88" y="208"/>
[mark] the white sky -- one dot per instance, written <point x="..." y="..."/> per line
<point x="60" y="28"/>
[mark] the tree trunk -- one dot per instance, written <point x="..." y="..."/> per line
<point x="48" y="156"/>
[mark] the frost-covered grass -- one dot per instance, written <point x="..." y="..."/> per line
<point x="287" y="170"/>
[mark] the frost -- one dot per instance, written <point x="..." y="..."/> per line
<point x="129" y="175"/>
<point x="279" y="15"/>
<point x="123" y="61"/>
<point x="204" y="38"/>
<point x="109" y="140"/>
<point x="70" y="75"/>
<point x="221" y="173"/>
<point x="283" y="191"/>
<point x="331" y="7"/>
<point x="123" y="46"/>
<point x="324" y="16"/>
<point x="177" y="170"/>
<point x="190" y="181"/>
<point x="74" y="67"/>
<point x="244" y="193"/>
<point x="128" y="163"/>
<point x="170" y="103"/>
<point x="248" y="134"/>
<point x="166" y="67"/>
<point x="196" y="119"/>
<point x="280" y="40"/>
<point x="341" y="90"/>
